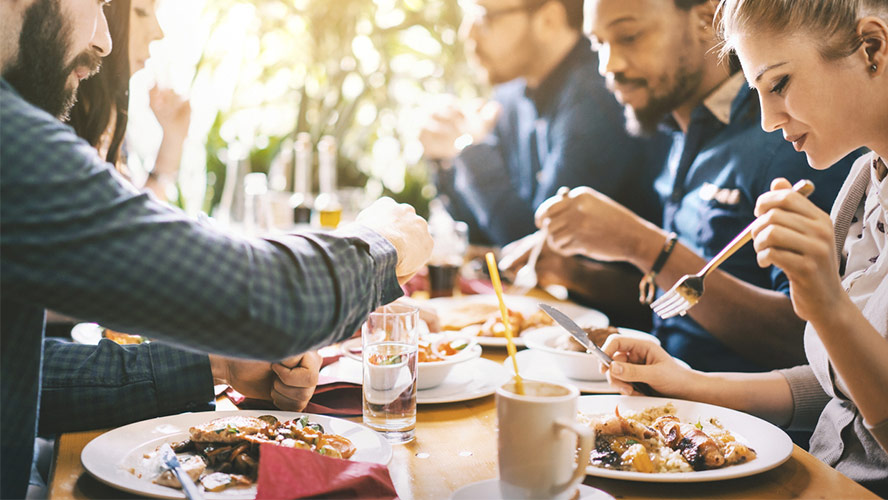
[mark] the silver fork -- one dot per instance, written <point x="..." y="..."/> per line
<point x="526" y="277"/>
<point x="687" y="291"/>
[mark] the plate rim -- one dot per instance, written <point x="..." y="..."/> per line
<point x="489" y="390"/>
<point x="732" y="472"/>
<point x="86" y="454"/>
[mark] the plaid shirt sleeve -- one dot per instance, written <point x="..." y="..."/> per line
<point x="78" y="240"/>
<point x="91" y="387"/>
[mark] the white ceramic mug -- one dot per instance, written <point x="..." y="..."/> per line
<point x="538" y="438"/>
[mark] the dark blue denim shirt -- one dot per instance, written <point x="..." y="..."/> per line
<point x="713" y="175"/>
<point x="569" y="131"/>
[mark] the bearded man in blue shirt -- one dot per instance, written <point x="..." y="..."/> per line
<point x="661" y="59"/>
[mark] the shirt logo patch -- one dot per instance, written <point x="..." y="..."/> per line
<point x="725" y="196"/>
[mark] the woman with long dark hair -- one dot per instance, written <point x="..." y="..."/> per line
<point x="100" y="115"/>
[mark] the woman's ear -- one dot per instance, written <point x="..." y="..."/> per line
<point x="703" y="19"/>
<point x="874" y="33"/>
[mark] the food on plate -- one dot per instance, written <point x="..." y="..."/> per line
<point x="430" y="351"/>
<point x="467" y="314"/>
<point x="493" y="327"/>
<point x="657" y="441"/>
<point x="224" y="452"/>
<point x="122" y="338"/>
<point x="194" y="466"/>
<point x="566" y="342"/>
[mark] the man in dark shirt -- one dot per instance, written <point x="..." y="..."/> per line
<point x="79" y="241"/>
<point x="660" y="58"/>
<point x="551" y="123"/>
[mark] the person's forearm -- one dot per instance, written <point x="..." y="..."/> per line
<point x="858" y="353"/>
<point x="80" y="242"/>
<point x="756" y="323"/>
<point x="90" y="387"/>
<point x="765" y="395"/>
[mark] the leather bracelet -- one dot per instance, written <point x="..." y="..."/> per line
<point x="646" y="287"/>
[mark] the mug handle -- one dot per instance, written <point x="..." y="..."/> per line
<point x="586" y="438"/>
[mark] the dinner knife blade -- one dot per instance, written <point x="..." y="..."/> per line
<point x="580" y="335"/>
<point x="172" y="461"/>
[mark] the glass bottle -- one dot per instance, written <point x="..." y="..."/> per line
<point x="327" y="204"/>
<point x="257" y="206"/>
<point x="301" y="201"/>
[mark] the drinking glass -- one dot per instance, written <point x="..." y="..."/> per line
<point x="448" y="254"/>
<point x="389" y="342"/>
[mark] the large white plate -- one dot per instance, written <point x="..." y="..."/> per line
<point x="772" y="445"/>
<point x="537" y="365"/>
<point x="470" y="380"/>
<point x="584" y="316"/>
<point x="110" y="456"/>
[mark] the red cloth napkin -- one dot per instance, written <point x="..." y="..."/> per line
<point x="331" y="397"/>
<point x="335" y="397"/>
<point x="287" y="473"/>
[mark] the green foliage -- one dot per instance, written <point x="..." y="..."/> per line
<point x="353" y="69"/>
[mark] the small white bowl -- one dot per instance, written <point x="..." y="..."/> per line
<point x="430" y="373"/>
<point x="574" y="364"/>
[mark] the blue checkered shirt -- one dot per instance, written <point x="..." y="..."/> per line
<point x="108" y="385"/>
<point x="75" y="239"/>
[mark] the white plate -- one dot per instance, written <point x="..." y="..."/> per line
<point x="584" y="316"/>
<point x="87" y="333"/>
<point x="473" y="379"/>
<point x="577" y="365"/>
<point x="772" y="445"/>
<point x="109" y="456"/>
<point x="489" y="489"/>
<point x="478" y="378"/>
<point x="537" y="365"/>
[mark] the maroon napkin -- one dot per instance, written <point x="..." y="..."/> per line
<point x="335" y="397"/>
<point x="287" y="473"/>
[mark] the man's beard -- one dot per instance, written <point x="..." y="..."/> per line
<point x="645" y="120"/>
<point x="40" y="74"/>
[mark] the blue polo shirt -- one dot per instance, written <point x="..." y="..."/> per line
<point x="568" y="131"/>
<point x="713" y="175"/>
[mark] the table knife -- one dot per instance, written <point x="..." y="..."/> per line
<point x="580" y="335"/>
<point x="172" y="461"/>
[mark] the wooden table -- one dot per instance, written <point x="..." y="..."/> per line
<point x="456" y="445"/>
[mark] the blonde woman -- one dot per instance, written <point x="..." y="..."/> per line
<point x="821" y="71"/>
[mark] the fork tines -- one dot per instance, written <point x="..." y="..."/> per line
<point x="676" y="301"/>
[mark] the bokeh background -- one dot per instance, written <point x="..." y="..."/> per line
<point x="258" y="72"/>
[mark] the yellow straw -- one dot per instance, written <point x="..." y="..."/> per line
<point x="510" y="345"/>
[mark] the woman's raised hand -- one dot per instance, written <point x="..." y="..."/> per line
<point x="796" y="236"/>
